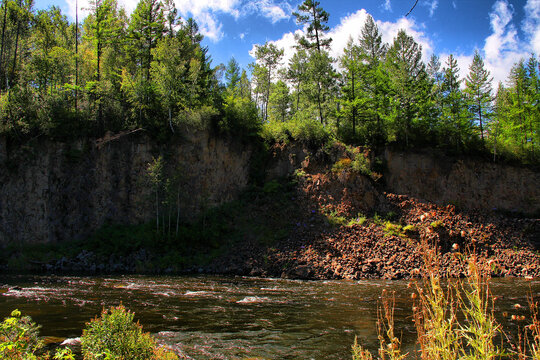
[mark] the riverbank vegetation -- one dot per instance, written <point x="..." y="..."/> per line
<point x="455" y="319"/>
<point x="149" y="70"/>
<point x="114" y="335"/>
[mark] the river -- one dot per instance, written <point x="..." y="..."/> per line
<point x="209" y="317"/>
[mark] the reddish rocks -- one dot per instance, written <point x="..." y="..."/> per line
<point x="316" y="250"/>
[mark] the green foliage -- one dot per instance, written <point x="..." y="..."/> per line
<point x="436" y="224"/>
<point x="341" y="165"/>
<point x="361" y="164"/>
<point x="391" y="229"/>
<point x="114" y="335"/>
<point x="272" y="186"/>
<point x="452" y="321"/>
<point x="239" y="117"/>
<point x="19" y="337"/>
<point x="19" y="340"/>
<point x="335" y="219"/>
<point x="359" y="220"/>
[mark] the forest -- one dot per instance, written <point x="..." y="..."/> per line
<point x="148" y="70"/>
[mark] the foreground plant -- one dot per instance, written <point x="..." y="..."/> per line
<point x="442" y="334"/>
<point x="19" y="337"/>
<point x="19" y="340"/>
<point x="114" y="335"/>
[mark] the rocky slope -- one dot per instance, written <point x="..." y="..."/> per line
<point x="372" y="247"/>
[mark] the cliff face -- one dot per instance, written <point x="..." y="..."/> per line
<point x="54" y="192"/>
<point x="467" y="183"/>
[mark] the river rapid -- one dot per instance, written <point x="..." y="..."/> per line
<point x="210" y="317"/>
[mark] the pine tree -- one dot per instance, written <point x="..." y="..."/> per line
<point x="244" y="86"/>
<point x="479" y="92"/>
<point x="351" y="62"/>
<point x="316" y="18"/>
<point x="279" y="102"/>
<point x="297" y="73"/>
<point x="232" y="74"/>
<point x="456" y="123"/>
<point x="406" y="69"/>
<point x="103" y="28"/>
<point x="370" y="43"/>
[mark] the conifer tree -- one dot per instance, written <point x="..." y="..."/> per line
<point x="297" y="73"/>
<point x="232" y="74"/>
<point x="268" y="57"/>
<point x="478" y="91"/>
<point x="310" y="13"/>
<point x="370" y="43"/>
<point x="406" y="70"/>
<point x="456" y="119"/>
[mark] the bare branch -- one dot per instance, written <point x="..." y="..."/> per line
<point x="410" y="11"/>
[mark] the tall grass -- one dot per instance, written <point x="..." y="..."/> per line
<point x="454" y="319"/>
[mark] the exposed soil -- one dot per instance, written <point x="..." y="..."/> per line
<point x="380" y="248"/>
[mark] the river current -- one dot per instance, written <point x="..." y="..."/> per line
<point x="208" y="317"/>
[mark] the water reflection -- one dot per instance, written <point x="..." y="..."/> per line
<point x="220" y="317"/>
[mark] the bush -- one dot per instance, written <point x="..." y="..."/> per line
<point x="342" y="164"/>
<point x="19" y="337"/>
<point x="239" y="117"/>
<point x="115" y="336"/>
<point x="454" y="320"/>
<point x="302" y="127"/>
<point x="19" y="340"/>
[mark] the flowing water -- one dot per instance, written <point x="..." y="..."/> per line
<point x="210" y="317"/>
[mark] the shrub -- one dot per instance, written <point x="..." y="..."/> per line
<point x="19" y="337"/>
<point x="19" y="340"/>
<point x="361" y="164"/>
<point x="114" y="335"/>
<point x="454" y="320"/>
<point x="436" y="224"/>
<point x="342" y="164"/>
<point x="302" y="127"/>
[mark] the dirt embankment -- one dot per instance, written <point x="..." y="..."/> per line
<point x="346" y="227"/>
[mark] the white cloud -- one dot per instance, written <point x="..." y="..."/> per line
<point x="242" y="36"/>
<point x="287" y="43"/>
<point x="531" y="24"/>
<point x="206" y="12"/>
<point x="503" y="48"/>
<point x="351" y="26"/>
<point x="199" y="7"/>
<point x="209" y="26"/>
<point x="454" y="4"/>
<point x="432" y="6"/>
<point x="387" y="5"/>
<point x="84" y="7"/>
<point x="268" y="9"/>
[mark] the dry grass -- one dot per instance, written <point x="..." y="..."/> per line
<point x="454" y="320"/>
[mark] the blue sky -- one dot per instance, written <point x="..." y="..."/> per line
<point x="502" y="30"/>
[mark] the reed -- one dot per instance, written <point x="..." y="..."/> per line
<point x="454" y="319"/>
